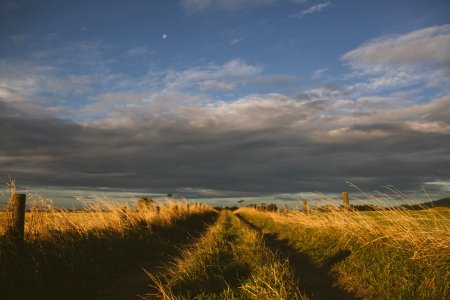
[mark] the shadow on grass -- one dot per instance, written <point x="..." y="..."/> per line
<point x="316" y="282"/>
<point x="135" y="283"/>
<point x="81" y="267"/>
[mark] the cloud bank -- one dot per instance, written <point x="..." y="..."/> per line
<point x="429" y="46"/>
<point x="260" y="143"/>
<point x="200" y="128"/>
<point x="421" y="56"/>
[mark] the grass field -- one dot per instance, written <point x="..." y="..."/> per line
<point x="73" y="255"/>
<point x="229" y="262"/>
<point x="375" y="255"/>
<point x="248" y="254"/>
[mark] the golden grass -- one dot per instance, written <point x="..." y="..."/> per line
<point x="43" y="220"/>
<point x="74" y="254"/>
<point x="394" y="254"/>
<point x="426" y="233"/>
<point x="229" y="262"/>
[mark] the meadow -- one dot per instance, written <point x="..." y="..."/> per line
<point x="76" y="254"/>
<point x="388" y="254"/>
<point x="230" y="262"/>
<point x="250" y="253"/>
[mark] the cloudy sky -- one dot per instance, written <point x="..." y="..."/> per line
<point x="225" y="97"/>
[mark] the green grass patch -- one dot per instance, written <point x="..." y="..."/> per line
<point x="229" y="262"/>
<point x="392" y="255"/>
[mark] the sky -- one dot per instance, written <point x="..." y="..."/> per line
<point x="231" y="98"/>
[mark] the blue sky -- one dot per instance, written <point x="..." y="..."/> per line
<point x="229" y="97"/>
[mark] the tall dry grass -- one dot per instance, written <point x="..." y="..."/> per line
<point x="73" y="254"/>
<point x="426" y="234"/>
<point x="231" y="261"/>
<point x="43" y="220"/>
<point x="394" y="253"/>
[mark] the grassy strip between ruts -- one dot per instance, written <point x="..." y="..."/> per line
<point x="229" y="262"/>
<point x="399" y="258"/>
<point x="74" y="255"/>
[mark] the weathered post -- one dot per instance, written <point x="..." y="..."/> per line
<point x="187" y="206"/>
<point x="18" y="226"/>
<point x="157" y="209"/>
<point x="345" y="199"/>
<point x="305" y="206"/>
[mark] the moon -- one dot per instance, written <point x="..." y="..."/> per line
<point x="164" y="36"/>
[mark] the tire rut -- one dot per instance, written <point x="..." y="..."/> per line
<point x="316" y="282"/>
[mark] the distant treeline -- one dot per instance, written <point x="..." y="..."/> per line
<point x="264" y="206"/>
<point x="445" y="202"/>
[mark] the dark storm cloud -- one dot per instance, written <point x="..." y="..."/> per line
<point x="261" y="144"/>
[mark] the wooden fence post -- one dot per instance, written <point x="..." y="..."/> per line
<point x="305" y="206"/>
<point x="345" y="199"/>
<point x="18" y="202"/>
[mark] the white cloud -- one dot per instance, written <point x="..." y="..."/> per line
<point x="325" y="92"/>
<point x="239" y="68"/>
<point x="20" y="81"/>
<point x="443" y="185"/>
<point x="26" y="81"/>
<point x="428" y="127"/>
<point x="231" y="72"/>
<point x="236" y="41"/>
<point x="428" y="46"/>
<point x="388" y="80"/>
<point x="418" y="57"/>
<point x="325" y="118"/>
<point x="216" y="85"/>
<point x="313" y="9"/>
<point x="319" y="73"/>
<point x="196" y="6"/>
<point x="139" y="51"/>
<point x="167" y="89"/>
